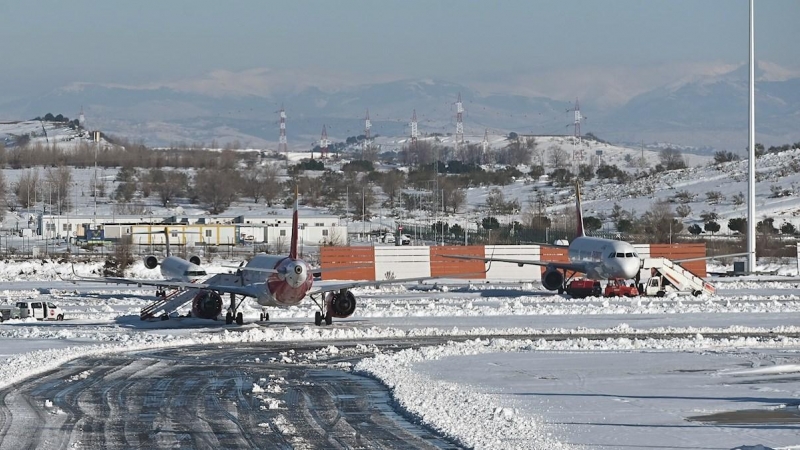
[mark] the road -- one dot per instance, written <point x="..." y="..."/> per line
<point x="204" y="398"/>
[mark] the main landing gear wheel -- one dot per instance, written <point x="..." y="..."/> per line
<point x="328" y="319"/>
<point x="228" y="318"/>
<point x="239" y="319"/>
<point x="318" y="318"/>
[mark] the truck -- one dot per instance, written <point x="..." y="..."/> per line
<point x="39" y="310"/>
<point x="618" y="288"/>
<point x="667" y="276"/>
<point x="582" y="288"/>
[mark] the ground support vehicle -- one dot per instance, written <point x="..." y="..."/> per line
<point x="618" y="288"/>
<point x="667" y="276"/>
<point x="582" y="288"/>
<point x="37" y="309"/>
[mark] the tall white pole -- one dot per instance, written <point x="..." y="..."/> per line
<point x="751" y="184"/>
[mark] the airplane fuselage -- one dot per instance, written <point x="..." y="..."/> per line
<point x="288" y="287"/>
<point x="604" y="258"/>
<point x="179" y="269"/>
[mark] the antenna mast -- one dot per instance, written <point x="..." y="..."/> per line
<point x="367" y="126"/>
<point x="323" y="143"/>
<point x="459" y="122"/>
<point x="485" y="144"/>
<point x="414" y="130"/>
<point x="577" y="154"/>
<point x="282" y="147"/>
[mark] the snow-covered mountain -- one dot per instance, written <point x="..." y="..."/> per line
<point x="702" y="112"/>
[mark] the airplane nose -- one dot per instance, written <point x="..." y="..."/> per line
<point x="631" y="267"/>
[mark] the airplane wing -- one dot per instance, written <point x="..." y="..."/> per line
<point x="339" y="285"/>
<point x="701" y="258"/>
<point x="227" y="289"/>
<point x="521" y="262"/>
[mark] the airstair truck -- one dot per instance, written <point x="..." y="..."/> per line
<point x="667" y="276"/>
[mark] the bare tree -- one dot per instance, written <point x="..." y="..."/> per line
<point x="214" y="190"/>
<point x="169" y="184"/>
<point x="672" y="159"/>
<point x="659" y="222"/>
<point x="60" y="181"/>
<point x="26" y="188"/>
<point x="391" y="182"/>
<point x="558" y="157"/>
<point x="3" y="196"/>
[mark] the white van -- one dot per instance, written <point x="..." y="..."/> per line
<point x="40" y="310"/>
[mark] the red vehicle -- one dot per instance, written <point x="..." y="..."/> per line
<point x="617" y="288"/>
<point x="583" y="288"/>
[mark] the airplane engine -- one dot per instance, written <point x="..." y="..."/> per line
<point x="206" y="305"/>
<point x="340" y="304"/>
<point x="151" y="262"/>
<point x="552" y="279"/>
<point x="194" y="259"/>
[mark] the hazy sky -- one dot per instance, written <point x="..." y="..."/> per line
<point x="610" y="48"/>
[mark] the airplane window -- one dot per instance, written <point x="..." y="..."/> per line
<point x="611" y="255"/>
<point x="629" y="255"/>
<point x="620" y="255"/>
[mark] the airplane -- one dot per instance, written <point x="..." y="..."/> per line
<point x="272" y="280"/>
<point x="597" y="258"/>
<point x="174" y="268"/>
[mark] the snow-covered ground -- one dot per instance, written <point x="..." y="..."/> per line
<point x="674" y="371"/>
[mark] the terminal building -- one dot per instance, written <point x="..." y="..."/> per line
<point x="274" y="230"/>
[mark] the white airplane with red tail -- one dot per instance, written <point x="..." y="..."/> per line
<point x="597" y="258"/>
<point x="273" y="281"/>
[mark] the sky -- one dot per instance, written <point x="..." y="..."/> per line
<point x="610" y="49"/>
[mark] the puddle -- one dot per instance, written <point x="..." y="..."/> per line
<point x="752" y="416"/>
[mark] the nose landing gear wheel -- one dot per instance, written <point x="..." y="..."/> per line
<point x="228" y="318"/>
<point x="317" y="318"/>
<point x="328" y="319"/>
<point x="239" y="319"/>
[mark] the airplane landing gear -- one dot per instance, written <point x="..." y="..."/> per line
<point x="321" y="315"/>
<point x="264" y="316"/>
<point x="232" y="313"/>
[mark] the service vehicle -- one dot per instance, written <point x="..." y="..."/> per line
<point x="8" y="312"/>
<point x="39" y="310"/>
<point x="582" y="288"/>
<point x="618" y="288"/>
<point x="667" y="276"/>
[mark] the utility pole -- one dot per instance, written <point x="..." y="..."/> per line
<point x="751" y="164"/>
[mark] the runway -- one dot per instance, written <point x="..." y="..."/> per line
<point x="204" y="398"/>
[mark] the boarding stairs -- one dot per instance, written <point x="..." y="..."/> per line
<point x="165" y="306"/>
<point x="680" y="278"/>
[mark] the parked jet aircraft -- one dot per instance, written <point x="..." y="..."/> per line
<point x="174" y="268"/>
<point x="273" y="281"/>
<point x="597" y="258"/>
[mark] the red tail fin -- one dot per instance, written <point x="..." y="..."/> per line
<point x="295" y="229"/>
<point x="578" y="208"/>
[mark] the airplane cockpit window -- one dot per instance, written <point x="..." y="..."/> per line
<point x="629" y="255"/>
<point x="620" y="255"/>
